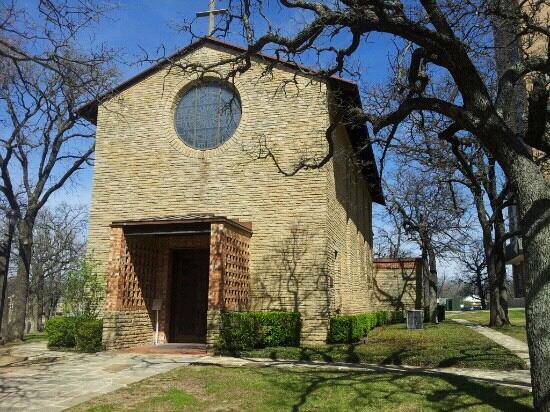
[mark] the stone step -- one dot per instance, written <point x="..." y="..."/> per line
<point x="170" y="348"/>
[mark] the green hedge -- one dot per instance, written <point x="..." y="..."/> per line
<point x="248" y="330"/>
<point x="61" y="331"/>
<point x="351" y="328"/>
<point x="88" y="336"/>
<point x="81" y="334"/>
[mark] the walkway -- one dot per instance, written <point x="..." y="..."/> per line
<point x="516" y="346"/>
<point x="34" y="378"/>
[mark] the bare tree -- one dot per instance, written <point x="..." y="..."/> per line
<point x="58" y="247"/>
<point x="46" y="76"/>
<point x="479" y="174"/>
<point x="474" y="265"/>
<point x="445" y="37"/>
<point x="8" y="229"/>
<point x="432" y="217"/>
<point x="467" y="165"/>
<point x="389" y="238"/>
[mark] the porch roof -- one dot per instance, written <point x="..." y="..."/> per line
<point x="178" y="224"/>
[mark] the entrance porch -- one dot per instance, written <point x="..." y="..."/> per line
<point x="190" y="268"/>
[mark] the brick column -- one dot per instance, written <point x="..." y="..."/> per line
<point x="217" y="266"/>
<point x="117" y="252"/>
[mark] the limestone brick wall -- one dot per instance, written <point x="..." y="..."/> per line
<point x="395" y="283"/>
<point x="122" y="329"/>
<point x="143" y="169"/>
<point x="349" y="229"/>
<point x="212" y="327"/>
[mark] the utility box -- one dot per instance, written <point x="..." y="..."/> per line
<point x="415" y="319"/>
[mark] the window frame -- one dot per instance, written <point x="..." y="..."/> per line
<point x="220" y="139"/>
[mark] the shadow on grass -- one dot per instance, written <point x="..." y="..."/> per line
<point x="306" y="354"/>
<point x="291" y="387"/>
<point x="481" y="358"/>
<point x="417" y="389"/>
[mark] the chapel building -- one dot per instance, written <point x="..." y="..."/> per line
<point x="191" y="216"/>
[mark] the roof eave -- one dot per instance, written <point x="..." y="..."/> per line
<point x="360" y="140"/>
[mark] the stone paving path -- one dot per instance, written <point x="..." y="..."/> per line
<point x="33" y="378"/>
<point x="38" y="379"/>
<point x="516" y="346"/>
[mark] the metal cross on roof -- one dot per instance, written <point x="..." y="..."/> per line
<point x="211" y="13"/>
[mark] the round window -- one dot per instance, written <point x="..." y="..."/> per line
<point x="207" y="115"/>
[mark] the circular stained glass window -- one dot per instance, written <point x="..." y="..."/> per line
<point x="207" y="115"/>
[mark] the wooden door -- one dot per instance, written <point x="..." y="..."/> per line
<point x="189" y="295"/>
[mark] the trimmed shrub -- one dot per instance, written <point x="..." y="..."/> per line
<point x="248" y="330"/>
<point x="279" y="328"/>
<point x="238" y="330"/>
<point x="61" y="331"/>
<point x="88" y="335"/>
<point x="351" y="328"/>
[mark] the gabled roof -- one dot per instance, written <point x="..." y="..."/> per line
<point x="346" y="89"/>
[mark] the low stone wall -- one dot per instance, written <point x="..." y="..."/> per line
<point x="397" y="282"/>
<point x="314" y="330"/>
<point x="124" y="329"/>
<point x="213" y="327"/>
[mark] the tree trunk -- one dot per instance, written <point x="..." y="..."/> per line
<point x="432" y="286"/>
<point x="532" y="192"/>
<point x="500" y="269"/>
<point x="480" y="291"/>
<point x="429" y="273"/>
<point x="499" y="257"/>
<point x="425" y="283"/>
<point x="497" y="315"/>
<point x="5" y="251"/>
<point x="39" y="301"/>
<point x="21" y="287"/>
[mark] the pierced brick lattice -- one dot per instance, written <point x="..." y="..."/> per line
<point x="133" y="272"/>
<point x="138" y="279"/>
<point x="236" y="280"/>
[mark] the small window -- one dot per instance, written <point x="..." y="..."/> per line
<point x="207" y="115"/>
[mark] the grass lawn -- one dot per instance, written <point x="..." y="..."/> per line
<point x="517" y="320"/>
<point x="209" y="388"/>
<point x="31" y="337"/>
<point x="444" y="345"/>
<point x="35" y="337"/>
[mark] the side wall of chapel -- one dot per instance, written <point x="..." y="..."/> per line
<point x="349" y="229"/>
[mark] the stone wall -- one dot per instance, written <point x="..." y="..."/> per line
<point x="349" y="227"/>
<point x="395" y="282"/>
<point x="122" y="329"/>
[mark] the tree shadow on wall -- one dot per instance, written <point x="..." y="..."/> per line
<point x="294" y="276"/>
<point x="397" y="296"/>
